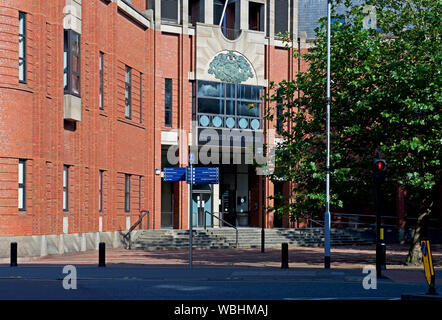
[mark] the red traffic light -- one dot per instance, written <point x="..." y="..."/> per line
<point x="379" y="165"/>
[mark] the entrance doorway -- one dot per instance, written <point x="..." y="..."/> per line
<point x="202" y="202"/>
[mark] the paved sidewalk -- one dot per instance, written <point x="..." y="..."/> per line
<point x="300" y="257"/>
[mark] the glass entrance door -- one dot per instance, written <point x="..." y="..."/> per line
<point x="201" y="202"/>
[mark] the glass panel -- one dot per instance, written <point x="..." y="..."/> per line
<point x="65" y="177"/>
<point x="21" y="70"/>
<point x="168" y="94"/>
<point x="75" y="64"/>
<point x="75" y="84"/>
<point x="210" y="106"/>
<point x="75" y="44"/>
<point x="65" y="66"/>
<point x="20" y="172"/>
<point x="249" y="92"/>
<point x="244" y="92"/>
<point x="230" y="90"/>
<point x="210" y="89"/>
<point x="65" y="203"/>
<point x="128" y="75"/>
<point x="167" y="119"/>
<point x="20" y="198"/>
<point x="248" y="109"/>
<point x="21" y="47"/>
<point x="21" y="23"/>
<point x="230" y="107"/>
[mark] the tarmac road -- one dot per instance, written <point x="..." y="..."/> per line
<point x="204" y="283"/>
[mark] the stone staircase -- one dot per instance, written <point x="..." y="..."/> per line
<point x="248" y="238"/>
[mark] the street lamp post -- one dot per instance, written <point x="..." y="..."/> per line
<point x="327" y="183"/>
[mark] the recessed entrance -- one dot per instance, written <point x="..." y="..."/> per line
<point x="202" y="202"/>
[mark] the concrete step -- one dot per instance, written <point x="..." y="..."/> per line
<point x="248" y="237"/>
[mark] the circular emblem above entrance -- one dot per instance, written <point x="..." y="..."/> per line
<point x="230" y="67"/>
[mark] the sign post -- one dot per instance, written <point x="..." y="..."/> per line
<point x="428" y="266"/>
<point x="191" y="160"/>
<point x="197" y="175"/>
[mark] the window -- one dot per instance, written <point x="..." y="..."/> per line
<point x="71" y="62"/>
<point x="230" y="24"/>
<point x="128" y="93"/>
<point x="21" y="185"/>
<point x="22" y="47"/>
<point x="127" y="192"/>
<point x="141" y="97"/>
<point x="229" y="105"/>
<point x="101" y="67"/>
<point x="281" y="17"/>
<point x="279" y="111"/>
<point x="256" y="16"/>
<point x="168" y="102"/>
<point x="100" y="190"/>
<point x="169" y="10"/>
<point x="65" y="188"/>
<point x="196" y="11"/>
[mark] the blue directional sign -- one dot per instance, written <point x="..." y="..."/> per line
<point x="203" y="175"/>
<point x="174" y="174"/>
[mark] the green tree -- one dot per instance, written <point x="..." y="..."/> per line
<point x="386" y="97"/>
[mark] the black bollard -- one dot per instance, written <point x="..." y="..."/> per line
<point x="285" y="256"/>
<point x="102" y="254"/>
<point x="13" y="254"/>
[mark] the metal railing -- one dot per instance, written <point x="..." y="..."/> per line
<point x="316" y="222"/>
<point x="142" y="214"/>
<point x="224" y="221"/>
<point x="364" y="220"/>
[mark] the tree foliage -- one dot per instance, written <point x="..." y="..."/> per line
<point x="386" y="97"/>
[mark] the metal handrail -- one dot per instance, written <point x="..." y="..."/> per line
<point x="142" y="214"/>
<point x="224" y="221"/>
<point x="317" y="222"/>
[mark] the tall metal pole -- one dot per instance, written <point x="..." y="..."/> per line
<point x="263" y="214"/>
<point x="327" y="183"/>
<point x="190" y="214"/>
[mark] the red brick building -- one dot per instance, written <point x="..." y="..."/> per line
<point x="94" y="93"/>
<point x="96" y="96"/>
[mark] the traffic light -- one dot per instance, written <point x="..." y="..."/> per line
<point x="379" y="170"/>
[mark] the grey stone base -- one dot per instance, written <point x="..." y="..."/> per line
<point x="42" y="245"/>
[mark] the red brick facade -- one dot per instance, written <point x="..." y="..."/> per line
<point x="32" y="125"/>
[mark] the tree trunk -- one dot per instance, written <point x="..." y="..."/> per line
<point x="414" y="256"/>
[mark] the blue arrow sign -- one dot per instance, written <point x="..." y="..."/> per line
<point x="203" y="175"/>
<point x="174" y="174"/>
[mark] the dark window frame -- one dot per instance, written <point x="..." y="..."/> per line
<point x="22" y="37"/>
<point x="101" y="82"/>
<point x="128" y="93"/>
<point x="69" y="71"/>
<point x="127" y="192"/>
<point x="168" y="83"/>
<point x="100" y="190"/>
<point x="260" y="21"/>
<point x="66" y="188"/>
<point x="22" y="185"/>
